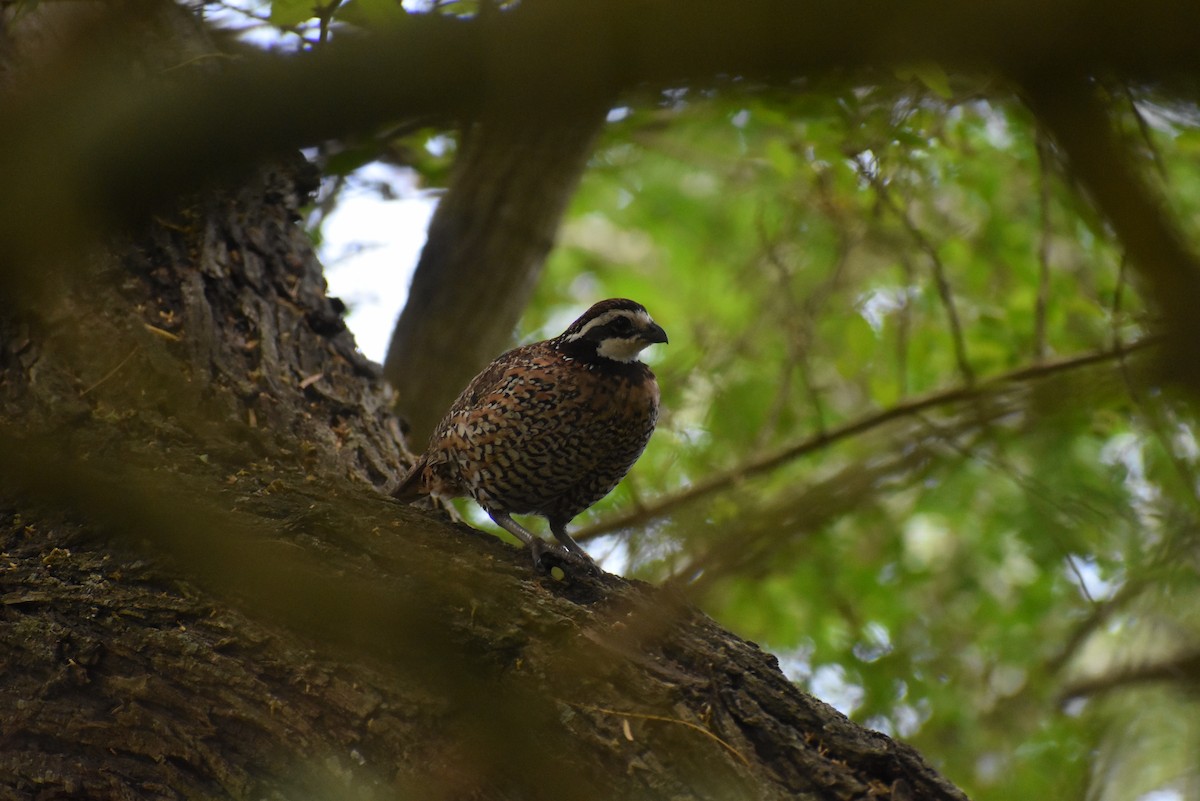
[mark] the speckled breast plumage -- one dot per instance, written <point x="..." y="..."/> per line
<point x="542" y="432"/>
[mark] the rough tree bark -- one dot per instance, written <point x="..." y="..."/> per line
<point x="203" y="594"/>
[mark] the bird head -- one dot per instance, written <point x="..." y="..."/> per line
<point x="616" y="329"/>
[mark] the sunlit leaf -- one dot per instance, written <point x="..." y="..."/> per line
<point x="289" y="13"/>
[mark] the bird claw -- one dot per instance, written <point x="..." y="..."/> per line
<point x="566" y="550"/>
<point x="540" y="549"/>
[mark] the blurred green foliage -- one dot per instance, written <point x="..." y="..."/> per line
<point x="908" y="441"/>
<point x="996" y="576"/>
<point x="903" y="445"/>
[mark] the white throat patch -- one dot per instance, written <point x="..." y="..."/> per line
<point x="620" y="350"/>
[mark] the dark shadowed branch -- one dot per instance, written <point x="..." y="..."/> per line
<point x="134" y="143"/>
<point x="1074" y="113"/>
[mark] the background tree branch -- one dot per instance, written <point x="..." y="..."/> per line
<point x="135" y="143"/>
<point x="514" y="176"/>
<point x="1073" y="111"/>
<point x="990" y="390"/>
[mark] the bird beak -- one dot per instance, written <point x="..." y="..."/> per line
<point x="654" y="333"/>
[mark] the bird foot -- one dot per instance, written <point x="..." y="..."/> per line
<point x="566" y="551"/>
<point x="546" y="554"/>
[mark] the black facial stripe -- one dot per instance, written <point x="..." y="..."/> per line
<point x="612" y="330"/>
<point x="602" y="308"/>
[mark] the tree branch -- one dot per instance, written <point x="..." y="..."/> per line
<point x="1073" y="112"/>
<point x="911" y="408"/>
<point x="1044" y="237"/>
<point x="1180" y="670"/>
<point x="940" y="280"/>
<point x="132" y="144"/>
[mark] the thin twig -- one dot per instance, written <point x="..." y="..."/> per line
<point x="1144" y="129"/>
<point x="904" y="326"/>
<point x="940" y="280"/>
<point x="1043" y="289"/>
<point x="794" y="328"/>
<point x="113" y="371"/>
<point x="1178" y="670"/>
<point x="1099" y="615"/>
<point x="1080" y="120"/>
<point x="1034" y="490"/>
<point x="1152" y="412"/>
<point x="1118" y="296"/>
<point x="663" y="719"/>
<point x="752" y="551"/>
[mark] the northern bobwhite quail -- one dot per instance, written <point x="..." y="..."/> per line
<point x="548" y="428"/>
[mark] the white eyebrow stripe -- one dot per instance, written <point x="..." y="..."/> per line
<point x="640" y="317"/>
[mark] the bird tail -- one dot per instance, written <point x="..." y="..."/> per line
<point x="412" y="486"/>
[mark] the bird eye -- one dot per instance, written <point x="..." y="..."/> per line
<point x="622" y="325"/>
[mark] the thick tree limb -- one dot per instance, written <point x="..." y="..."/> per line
<point x="130" y="144"/>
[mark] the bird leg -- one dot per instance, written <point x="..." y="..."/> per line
<point x="559" y="529"/>
<point x="569" y="550"/>
<point x="537" y="545"/>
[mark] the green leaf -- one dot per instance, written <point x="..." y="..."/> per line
<point x="930" y="74"/>
<point x="290" y="13"/>
<point x="372" y="13"/>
